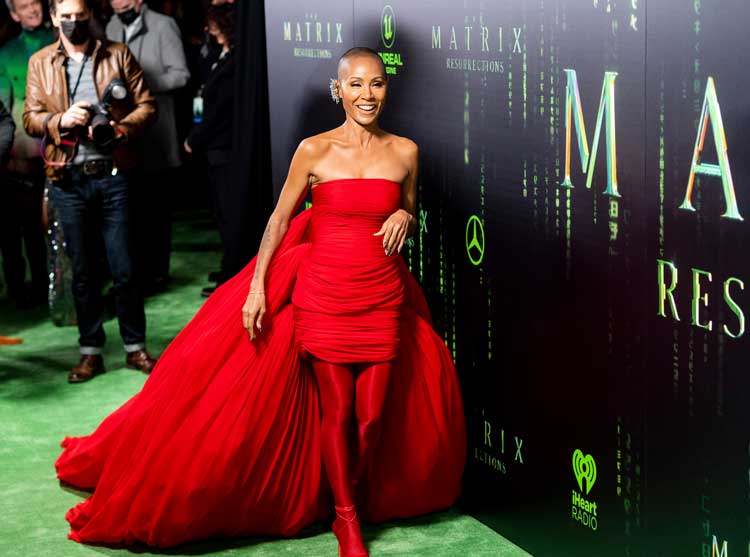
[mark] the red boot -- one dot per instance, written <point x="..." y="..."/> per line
<point x="346" y="528"/>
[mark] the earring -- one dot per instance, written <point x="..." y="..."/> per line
<point x="334" y="91"/>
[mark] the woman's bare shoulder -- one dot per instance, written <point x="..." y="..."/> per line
<point x="404" y="149"/>
<point x="314" y="145"/>
<point x="403" y="145"/>
<point x="320" y="141"/>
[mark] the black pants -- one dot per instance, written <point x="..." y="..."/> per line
<point x="230" y="204"/>
<point x="82" y="201"/>
<point x="21" y="226"/>
<point x="151" y="218"/>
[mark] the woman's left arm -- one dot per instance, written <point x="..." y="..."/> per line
<point x="402" y="224"/>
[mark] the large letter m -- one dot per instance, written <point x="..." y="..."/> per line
<point x="715" y="549"/>
<point x="574" y="109"/>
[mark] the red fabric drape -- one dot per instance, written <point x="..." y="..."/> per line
<point x="224" y="438"/>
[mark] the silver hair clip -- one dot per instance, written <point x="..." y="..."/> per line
<point x="334" y="91"/>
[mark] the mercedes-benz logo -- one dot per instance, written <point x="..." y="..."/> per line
<point x="475" y="240"/>
<point x="388" y="26"/>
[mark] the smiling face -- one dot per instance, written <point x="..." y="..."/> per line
<point x="362" y="85"/>
<point x="27" y="13"/>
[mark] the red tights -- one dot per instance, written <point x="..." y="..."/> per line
<point x="342" y="395"/>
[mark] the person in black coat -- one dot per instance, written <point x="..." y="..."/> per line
<point x="7" y="129"/>
<point x="212" y="137"/>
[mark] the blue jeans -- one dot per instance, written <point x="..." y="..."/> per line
<point x="89" y="206"/>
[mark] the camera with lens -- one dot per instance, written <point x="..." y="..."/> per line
<point x="102" y="133"/>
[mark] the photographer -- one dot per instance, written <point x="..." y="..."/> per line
<point x="87" y="158"/>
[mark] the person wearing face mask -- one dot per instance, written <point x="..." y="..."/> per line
<point x="212" y="138"/>
<point x="210" y="49"/>
<point x="22" y="176"/>
<point x="87" y="163"/>
<point x="156" y="43"/>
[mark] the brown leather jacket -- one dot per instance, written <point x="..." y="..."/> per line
<point x="47" y="100"/>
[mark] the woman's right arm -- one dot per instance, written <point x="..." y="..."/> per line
<point x="292" y="193"/>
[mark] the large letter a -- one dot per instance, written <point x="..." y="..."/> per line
<point x="711" y="112"/>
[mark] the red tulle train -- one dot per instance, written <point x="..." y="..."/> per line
<point x="224" y="438"/>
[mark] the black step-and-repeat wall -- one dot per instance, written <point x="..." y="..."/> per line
<point x="584" y="209"/>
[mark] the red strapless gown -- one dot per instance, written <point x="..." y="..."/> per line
<point x="223" y="440"/>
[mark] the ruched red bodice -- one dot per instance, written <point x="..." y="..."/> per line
<point x="224" y="438"/>
<point x="349" y="293"/>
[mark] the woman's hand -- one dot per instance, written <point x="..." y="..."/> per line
<point x="253" y="311"/>
<point x="395" y="230"/>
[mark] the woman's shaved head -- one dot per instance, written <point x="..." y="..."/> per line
<point x="355" y="52"/>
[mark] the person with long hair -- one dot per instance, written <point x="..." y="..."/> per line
<point x="332" y="389"/>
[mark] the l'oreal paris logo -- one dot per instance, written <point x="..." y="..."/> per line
<point x="388" y="26"/>
<point x="392" y="60"/>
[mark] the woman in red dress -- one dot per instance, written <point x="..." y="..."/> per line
<point x="231" y="436"/>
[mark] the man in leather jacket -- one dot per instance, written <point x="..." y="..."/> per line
<point x="87" y="163"/>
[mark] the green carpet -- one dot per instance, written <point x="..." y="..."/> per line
<point x="38" y="408"/>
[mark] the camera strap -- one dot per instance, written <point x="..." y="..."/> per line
<point x="80" y="74"/>
<point x="64" y="142"/>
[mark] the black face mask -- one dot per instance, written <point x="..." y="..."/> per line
<point x="77" y="32"/>
<point x="128" y="16"/>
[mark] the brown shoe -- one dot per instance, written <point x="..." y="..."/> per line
<point x="140" y="359"/>
<point x="90" y="365"/>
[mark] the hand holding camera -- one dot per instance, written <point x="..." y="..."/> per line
<point x="76" y="115"/>
<point x="102" y="129"/>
